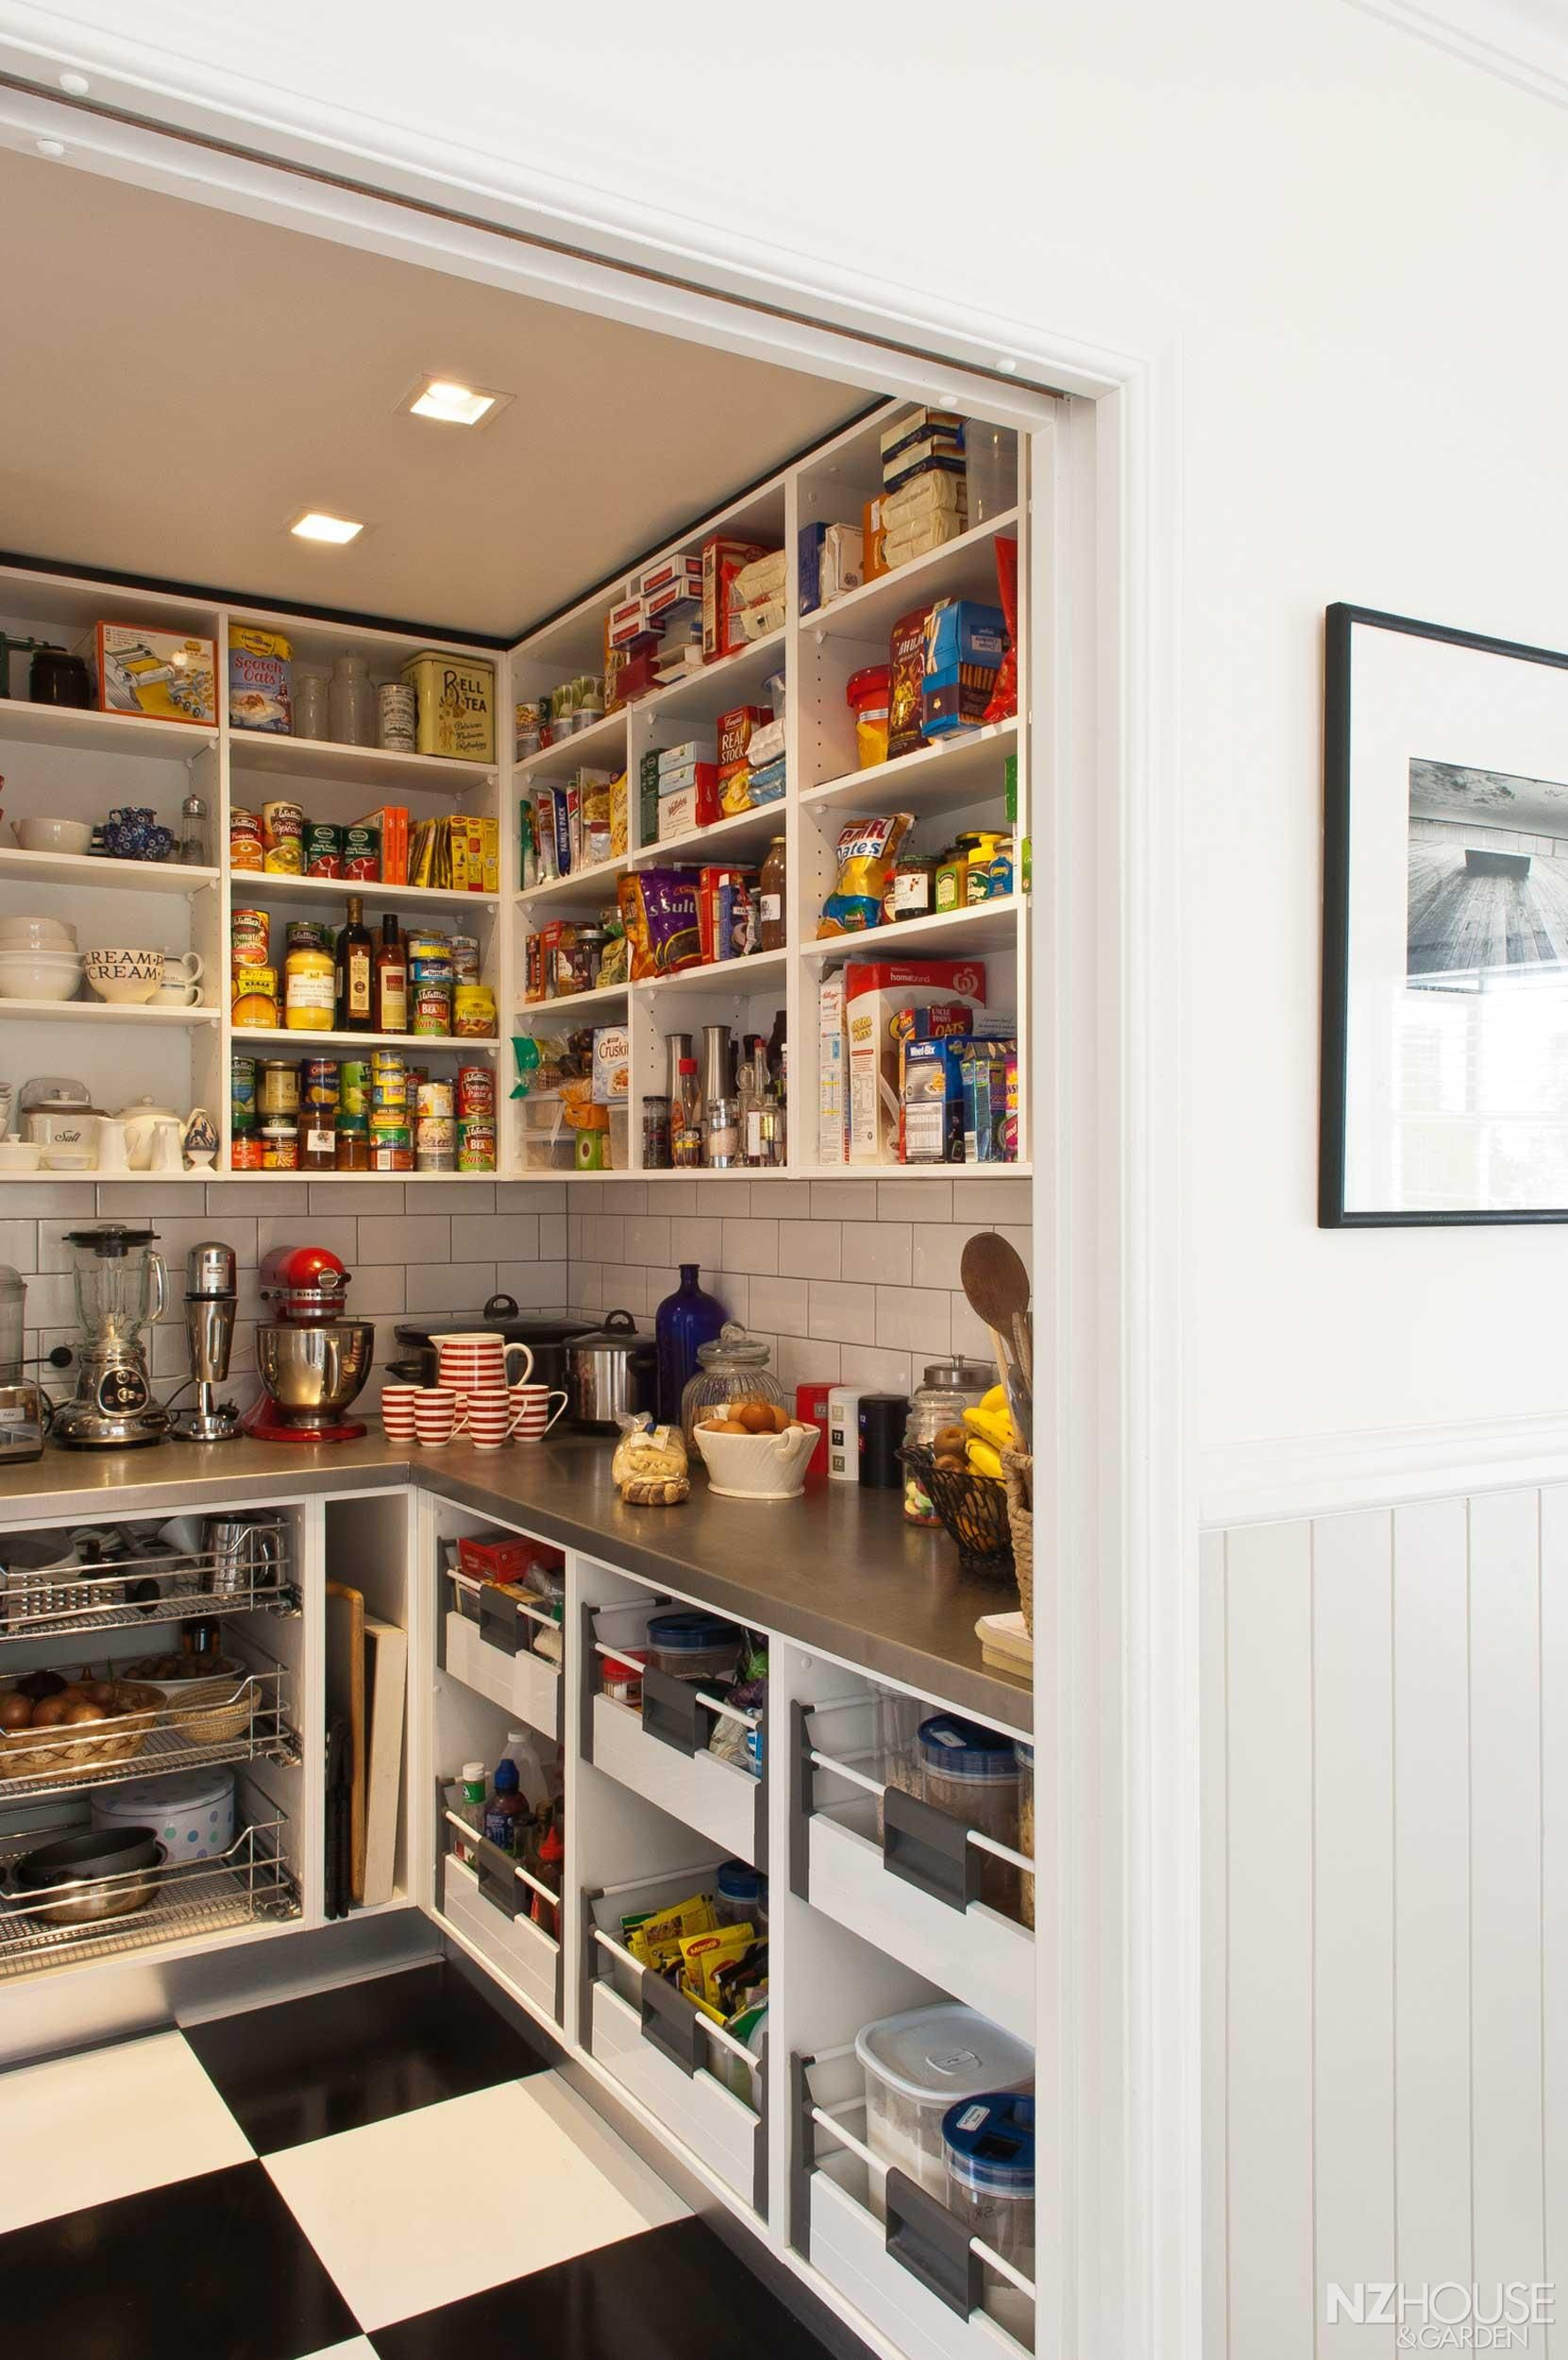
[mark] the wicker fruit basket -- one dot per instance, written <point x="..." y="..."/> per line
<point x="1019" y="1468"/>
<point x="61" y="1751"/>
<point x="210" y="1713"/>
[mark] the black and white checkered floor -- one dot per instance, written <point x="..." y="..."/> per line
<point x="386" y="2172"/>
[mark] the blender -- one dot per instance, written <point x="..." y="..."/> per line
<point x="121" y="1287"/>
<point x="21" y="1403"/>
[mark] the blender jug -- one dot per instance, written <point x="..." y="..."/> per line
<point x="121" y="1287"/>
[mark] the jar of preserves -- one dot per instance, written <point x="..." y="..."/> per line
<point x="244" y="1152"/>
<point x="912" y="888"/>
<point x="277" y="1090"/>
<point x="353" y="1143"/>
<point x="774" y="897"/>
<point x="318" y="1139"/>
<point x="309" y="982"/>
<point x="280" y="1146"/>
<point x="733" y="1367"/>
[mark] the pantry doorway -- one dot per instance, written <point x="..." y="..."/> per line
<point x="1116" y="1665"/>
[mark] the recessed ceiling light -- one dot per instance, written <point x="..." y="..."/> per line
<point x="452" y="403"/>
<point x="76" y="85"/>
<point x="316" y="525"/>
<point x="1007" y="364"/>
<point x="50" y="147"/>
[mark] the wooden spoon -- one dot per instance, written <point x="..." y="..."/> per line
<point x="997" y="1287"/>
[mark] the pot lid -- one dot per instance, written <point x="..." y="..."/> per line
<point x="618" y="1334"/>
<point x="53" y="1094"/>
<point x="501" y="1317"/>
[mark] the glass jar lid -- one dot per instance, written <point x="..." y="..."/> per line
<point x="732" y="1348"/>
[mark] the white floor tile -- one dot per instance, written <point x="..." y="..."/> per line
<point x="641" y="2186"/>
<point x="114" y="2122"/>
<point x="430" y="2206"/>
<point x="358" y="2347"/>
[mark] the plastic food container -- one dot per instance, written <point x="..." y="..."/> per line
<point x="692" y="1645"/>
<point x="916" y="2067"/>
<point x="988" y="2144"/>
<point x="193" y="1813"/>
<point x="1026" y="1826"/>
<point x="973" y="1774"/>
<point x="740" y="1895"/>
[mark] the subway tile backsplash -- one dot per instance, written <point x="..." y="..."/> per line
<point x="854" y="1280"/>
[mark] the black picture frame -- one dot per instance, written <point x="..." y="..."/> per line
<point x="1341" y="623"/>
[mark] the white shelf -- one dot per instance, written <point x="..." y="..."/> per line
<point x="609" y="996"/>
<point x="721" y="840"/>
<point x="318" y="1179"/>
<point x="583" y="887"/>
<point x="96" y="872"/>
<point x="704" y="694"/>
<point x="984" y="926"/>
<point x="934" y="778"/>
<point x="601" y="746"/>
<point x="963" y="568"/>
<point x="733" y="979"/>
<point x="104" y="1012"/>
<point x="261" y="754"/>
<point x="260" y="884"/>
<point x="86" y="731"/>
<point x="116" y="1179"/>
<point x="309" y="1044"/>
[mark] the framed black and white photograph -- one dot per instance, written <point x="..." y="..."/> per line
<point x="1445" y="926"/>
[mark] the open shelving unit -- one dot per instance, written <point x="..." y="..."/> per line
<point x="84" y="764"/>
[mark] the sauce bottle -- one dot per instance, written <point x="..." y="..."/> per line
<point x="773" y="885"/>
<point x="392" y="980"/>
<point x="355" y="972"/>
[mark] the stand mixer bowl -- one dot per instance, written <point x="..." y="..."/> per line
<point x="312" y="1373"/>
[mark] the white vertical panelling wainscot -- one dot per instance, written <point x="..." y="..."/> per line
<point x="1385" y="1830"/>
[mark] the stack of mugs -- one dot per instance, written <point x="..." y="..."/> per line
<point x="475" y="1395"/>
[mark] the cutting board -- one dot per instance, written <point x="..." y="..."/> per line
<point x="387" y="1654"/>
<point x="1006" y="1645"/>
<point x="346" y="1694"/>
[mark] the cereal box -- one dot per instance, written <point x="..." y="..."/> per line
<point x="260" y="680"/>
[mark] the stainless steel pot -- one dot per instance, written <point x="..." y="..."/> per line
<point x="610" y="1370"/>
<point x="100" y="1873"/>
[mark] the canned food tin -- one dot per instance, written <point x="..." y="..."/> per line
<point x="306" y="933"/>
<point x="277" y="1090"/>
<point x="323" y="849"/>
<point x="386" y="1118"/>
<point x="318" y="1081"/>
<point x="476" y="1143"/>
<point x="244" y="1152"/>
<point x="361" y="855"/>
<point x="245" y="841"/>
<point x="250" y="937"/>
<point x="434" y="1098"/>
<point x="435" y="1144"/>
<point x="242" y="1089"/>
<point x="353" y="1091"/>
<point x="283" y="838"/>
<point x="429" y="954"/>
<point x="254" y="999"/>
<point x="465" y="958"/>
<point x="389" y="1085"/>
<point x="432" y="1010"/>
<point x="475" y="1090"/>
<point x="391" y="1150"/>
<point x="395" y="717"/>
<point x="280" y="1146"/>
<point x="474" y="1012"/>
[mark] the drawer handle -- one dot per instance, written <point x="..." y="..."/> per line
<point x="500" y="1624"/>
<point x="671" y="2024"/>
<point x="498" y="1880"/>
<point x="929" y="1850"/>
<point x="670" y="1707"/>
<point x="933" y="2245"/>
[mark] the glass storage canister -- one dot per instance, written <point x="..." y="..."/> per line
<point x="946" y="1391"/>
<point x="733" y="1367"/>
<point x="971" y="1773"/>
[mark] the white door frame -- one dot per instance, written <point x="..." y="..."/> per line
<point x="1117" y="1660"/>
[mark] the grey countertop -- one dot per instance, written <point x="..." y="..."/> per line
<point x="837" y="1569"/>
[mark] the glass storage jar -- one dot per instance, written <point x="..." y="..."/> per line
<point x="989" y="2148"/>
<point x="946" y="1391"/>
<point x="733" y="1368"/>
<point x="971" y="1773"/>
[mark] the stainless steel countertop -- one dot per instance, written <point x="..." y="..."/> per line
<point x="837" y="1569"/>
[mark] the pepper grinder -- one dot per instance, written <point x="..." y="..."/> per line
<point x="211" y="1298"/>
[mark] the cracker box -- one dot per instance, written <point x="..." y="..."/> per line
<point x="611" y="1080"/>
<point x="693" y="806"/>
<point x="722" y="560"/>
<point x="168" y="674"/>
<point x="883" y="1000"/>
<point x="456" y="699"/>
<point x="964" y="644"/>
<point x="682" y="575"/>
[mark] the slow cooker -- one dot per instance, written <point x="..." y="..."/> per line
<point x="547" y="1338"/>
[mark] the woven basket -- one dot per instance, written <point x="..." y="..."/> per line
<point x="59" y="1753"/>
<point x="214" y="1715"/>
<point x="1019" y="1468"/>
<point x="973" y="1512"/>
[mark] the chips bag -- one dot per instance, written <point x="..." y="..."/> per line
<point x="867" y="852"/>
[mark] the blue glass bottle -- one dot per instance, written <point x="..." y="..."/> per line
<point x="684" y="1319"/>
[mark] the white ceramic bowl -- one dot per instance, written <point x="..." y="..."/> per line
<point x="123" y="990"/>
<point x="20" y="1154"/>
<point x="52" y="835"/>
<point x="758" y="1466"/>
<point x="39" y="975"/>
<point x="125" y="966"/>
<point x="37" y="934"/>
<point x="69" y="1159"/>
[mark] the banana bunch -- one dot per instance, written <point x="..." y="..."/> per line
<point x="979" y="1443"/>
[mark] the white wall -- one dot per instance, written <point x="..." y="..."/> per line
<point x="1350" y="234"/>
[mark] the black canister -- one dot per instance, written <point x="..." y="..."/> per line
<point x="882" y="1418"/>
<point x="55" y="678"/>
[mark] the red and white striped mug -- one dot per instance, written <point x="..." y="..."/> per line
<point x="398" y="1412"/>
<point x="492" y="1416"/>
<point x="438" y="1415"/>
<point x="533" y="1417"/>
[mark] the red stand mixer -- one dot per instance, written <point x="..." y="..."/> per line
<point x="312" y="1361"/>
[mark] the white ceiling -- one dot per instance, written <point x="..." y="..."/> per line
<point x="179" y="383"/>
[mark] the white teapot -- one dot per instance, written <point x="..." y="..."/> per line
<point x="142" y="1122"/>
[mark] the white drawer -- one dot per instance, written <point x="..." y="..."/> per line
<point x="515" y="1948"/>
<point x="526" y="1684"/>
<point x="717" y="1798"/>
<point x="976" y="1953"/>
<point x="848" y="2251"/>
<point x="700" y="2112"/>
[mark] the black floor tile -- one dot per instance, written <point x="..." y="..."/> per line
<point x="667" y="2295"/>
<point x="215" y="2265"/>
<point x="340" y="2059"/>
